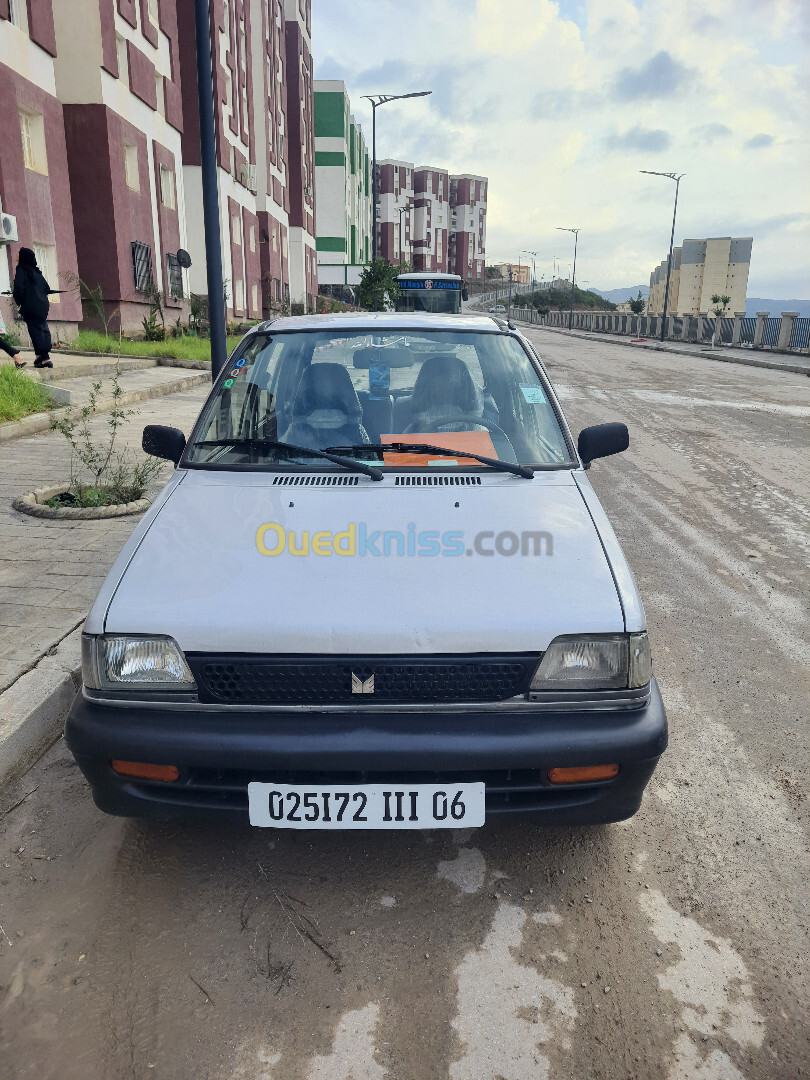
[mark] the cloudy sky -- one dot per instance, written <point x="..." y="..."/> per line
<point x="562" y="103"/>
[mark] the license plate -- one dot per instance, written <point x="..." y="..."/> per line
<point x="367" y="806"/>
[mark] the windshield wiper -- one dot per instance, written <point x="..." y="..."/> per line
<point x="426" y="448"/>
<point x="272" y="444"/>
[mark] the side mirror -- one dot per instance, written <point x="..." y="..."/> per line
<point x="163" y="442"/>
<point x="602" y="440"/>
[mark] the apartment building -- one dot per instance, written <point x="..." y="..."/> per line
<point x="434" y="221"/>
<point x="521" y="273"/>
<point x="700" y="269"/>
<point x="342" y="181"/>
<point x="262" y="61"/>
<point x="101" y="164"/>
<point x="468" y="226"/>
<point x="34" y="180"/>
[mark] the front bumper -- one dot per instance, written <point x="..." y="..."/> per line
<point x="218" y="753"/>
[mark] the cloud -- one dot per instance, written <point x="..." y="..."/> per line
<point x="638" y="138"/>
<point x="760" y="141"/>
<point x="707" y="134"/>
<point x="660" y="77"/>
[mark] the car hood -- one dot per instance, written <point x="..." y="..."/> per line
<point x="198" y="573"/>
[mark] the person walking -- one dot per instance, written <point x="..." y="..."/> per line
<point x="31" y="292"/>
<point x="7" y="347"/>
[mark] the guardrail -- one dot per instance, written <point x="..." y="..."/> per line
<point x="789" y="333"/>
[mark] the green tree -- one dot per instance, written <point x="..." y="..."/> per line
<point x="637" y="305"/>
<point x="378" y="288"/>
<point x="721" y="302"/>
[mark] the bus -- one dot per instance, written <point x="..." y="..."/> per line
<point x="430" y="292"/>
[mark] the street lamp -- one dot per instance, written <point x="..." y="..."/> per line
<point x="534" y="256"/>
<point x="377" y="100"/>
<point x="576" y="233"/>
<point x="677" y="177"/>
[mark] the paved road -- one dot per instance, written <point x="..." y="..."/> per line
<point x="672" y="946"/>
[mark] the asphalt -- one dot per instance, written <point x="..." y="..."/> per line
<point x="670" y="947"/>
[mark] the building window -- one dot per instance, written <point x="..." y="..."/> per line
<point x="131" y="171"/>
<point x="152" y="11"/>
<point x="18" y="14"/>
<point x="175" y="276"/>
<point x="141" y="265"/>
<point x="275" y="242"/>
<point x="123" y="59"/>
<point x="32" y="131"/>
<point x="46" y="260"/>
<point x="236" y="231"/>
<point x="167" y="187"/>
<point x="254" y="297"/>
<point x="252" y="237"/>
<point x="284" y="245"/>
<point x="159" y="95"/>
<point x="238" y="294"/>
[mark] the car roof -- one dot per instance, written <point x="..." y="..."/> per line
<point x="357" y="321"/>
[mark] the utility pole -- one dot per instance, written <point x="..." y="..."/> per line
<point x="210" y="191"/>
<point x="509" y="299"/>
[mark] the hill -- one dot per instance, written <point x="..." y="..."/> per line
<point x="753" y="304"/>
<point x="616" y="296"/>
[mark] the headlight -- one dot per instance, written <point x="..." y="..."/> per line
<point x="117" y="661"/>
<point x="597" y="662"/>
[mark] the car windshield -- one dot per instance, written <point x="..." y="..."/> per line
<point x="470" y="392"/>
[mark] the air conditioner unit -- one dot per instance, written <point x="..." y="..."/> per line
<point x="247" y="176"/>
<point x="8" y="229"/>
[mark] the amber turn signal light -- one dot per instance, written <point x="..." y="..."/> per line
<point x="580" y="773"/>
<point x="144" y="771"/>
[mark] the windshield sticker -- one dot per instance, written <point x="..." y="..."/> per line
<point x="228" y="384"/>
<point x="240" y="363"/>
<point x="534" y="395"/>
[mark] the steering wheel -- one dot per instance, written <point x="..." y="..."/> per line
<point x="478" y="421"/>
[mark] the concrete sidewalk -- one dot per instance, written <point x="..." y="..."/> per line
<point x="793" y="362"/>
<point x="51" y="570"/>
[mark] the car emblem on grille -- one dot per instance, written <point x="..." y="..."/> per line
<point x="362" y="686"/>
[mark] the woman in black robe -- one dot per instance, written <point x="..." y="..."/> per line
<point x="31" y="292"/>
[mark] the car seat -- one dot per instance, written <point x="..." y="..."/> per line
<point x="326" y="410"/>
<point x="443" y="389"/>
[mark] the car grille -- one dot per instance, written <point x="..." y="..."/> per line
<point x="262" y="680"/>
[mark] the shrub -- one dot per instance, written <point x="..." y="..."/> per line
<point x="98" y="469"/>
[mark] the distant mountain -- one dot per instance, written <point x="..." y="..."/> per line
<point x="616" y="296"/>
<point x="753" y="304"/>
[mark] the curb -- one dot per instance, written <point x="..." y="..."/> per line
<point x="38" y="422"/>
<point x="33" y="709"/>
<point x="33" y="503"/>
<point x="726" y="358"/>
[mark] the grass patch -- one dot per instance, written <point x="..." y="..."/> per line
<point x="20" y="395"/>
<point x="182" y="348"/>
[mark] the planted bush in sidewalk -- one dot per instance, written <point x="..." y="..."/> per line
<point x="101" y="473"/>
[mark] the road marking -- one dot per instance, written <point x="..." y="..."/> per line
<point x="665" y="398"/>
<point x="506" y="1010"/>
<point x="467" y="870"/>
<point x="352" y="1056"/>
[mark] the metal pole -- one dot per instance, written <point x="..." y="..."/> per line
<point x="373" y="181"/>
<point x="573" y="279"/>
<point x="669" y="262"/>
<point x="509" y="300"/>
<point x="210" y="191"/>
